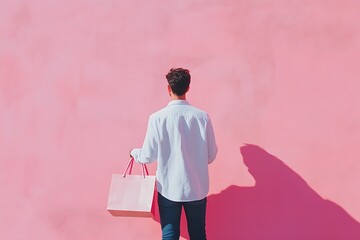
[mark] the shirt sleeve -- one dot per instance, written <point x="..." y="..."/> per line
<point x="149" y="151"/>
<point x="211" y="143"/>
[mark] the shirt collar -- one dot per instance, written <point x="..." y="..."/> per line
<point x="178" y="102"/>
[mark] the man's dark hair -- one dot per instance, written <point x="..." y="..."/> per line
<point x="179" y="80"/>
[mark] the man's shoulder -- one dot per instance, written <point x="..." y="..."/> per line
<point x="158" y="114"/>
<point x="187" y="110"/>
<point x="198" y="110"/>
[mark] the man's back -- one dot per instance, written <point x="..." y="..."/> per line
<point x="186" y="146"/>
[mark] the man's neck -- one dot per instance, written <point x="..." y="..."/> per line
<point x="175" y="97"/>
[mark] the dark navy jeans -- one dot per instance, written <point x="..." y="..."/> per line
<point x="170" y="213"/>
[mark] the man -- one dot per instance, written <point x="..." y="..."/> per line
<point x="181" y="138"/>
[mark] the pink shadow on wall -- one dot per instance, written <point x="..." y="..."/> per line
<point x="281" y="206"/>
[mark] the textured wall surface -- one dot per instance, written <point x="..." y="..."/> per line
<point x="78" y="80"/>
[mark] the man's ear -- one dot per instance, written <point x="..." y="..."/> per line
<point x="169" y="90"/>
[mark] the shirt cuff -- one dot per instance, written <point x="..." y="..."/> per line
<point x="135" y="154"/>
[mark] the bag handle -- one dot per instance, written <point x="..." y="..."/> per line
<point x="130" y="166"/>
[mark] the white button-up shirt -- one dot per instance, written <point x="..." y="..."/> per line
<point x="181" y="138"/>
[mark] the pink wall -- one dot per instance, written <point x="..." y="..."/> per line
<point x="78" y="80"/>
